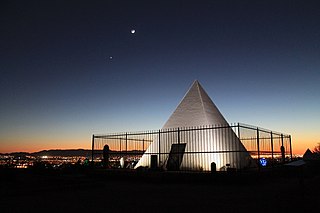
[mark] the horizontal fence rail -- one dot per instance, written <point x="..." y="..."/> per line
<point x="206" y="148"/>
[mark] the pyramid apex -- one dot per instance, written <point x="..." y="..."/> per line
<point x="195" y="109"/>
<point x="196" y="84"/>
<point x="196" y="81"/>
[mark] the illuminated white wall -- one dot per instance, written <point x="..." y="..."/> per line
<point x="197" y="109"/>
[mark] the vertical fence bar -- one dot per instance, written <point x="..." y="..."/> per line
<point x="192" y="162"/>
<point x="126" y="142"/>
<point x="290" y="147"/>
<point x="283" y="150"/>
<point x="143" y="145"/>
<point x="92" y="151"/>
<point x="258" y="147"/>
<point x="271" y="138"/>
<point x="179" y="146"/>
<point x="239" y="153"/>
<point x="159" y="147"/>
<point x="229" y="146"/>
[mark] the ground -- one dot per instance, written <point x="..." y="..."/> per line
<point x="101" y="191"/>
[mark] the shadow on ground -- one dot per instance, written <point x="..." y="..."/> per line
<point x="93" y="190"/>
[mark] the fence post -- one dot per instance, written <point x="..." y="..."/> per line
<point x="126" y="143"/>
<point x="92" y="150"/>
<point x="283" y="151"/>
<point x="258" y="147"/>
<point x="143" y="144"/>
<point x="238" y="148"/>
<point x="272" y="148"/>
<point x="179" y="146"/>
<point x="159" y="147"/>
<point x="290" y="146"/>
<point x="178" y="135"/>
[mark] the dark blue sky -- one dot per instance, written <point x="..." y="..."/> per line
<point x="257" y="60"/>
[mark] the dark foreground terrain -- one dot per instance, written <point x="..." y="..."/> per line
<point x="143" y="191"/>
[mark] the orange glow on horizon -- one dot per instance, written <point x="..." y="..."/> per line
<point x="36" y="146"/>
<point x="300" y="143"/>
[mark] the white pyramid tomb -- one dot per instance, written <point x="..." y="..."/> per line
<point x="223" y="147"/>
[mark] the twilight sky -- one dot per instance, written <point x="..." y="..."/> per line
<point x="70" y="69"/>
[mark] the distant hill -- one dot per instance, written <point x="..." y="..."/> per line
<point x="64" y="152"/>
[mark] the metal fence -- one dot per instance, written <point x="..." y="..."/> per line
<point x="235" y="146"/>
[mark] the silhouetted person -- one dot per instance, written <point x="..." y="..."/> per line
<point x="106" y="156"/>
